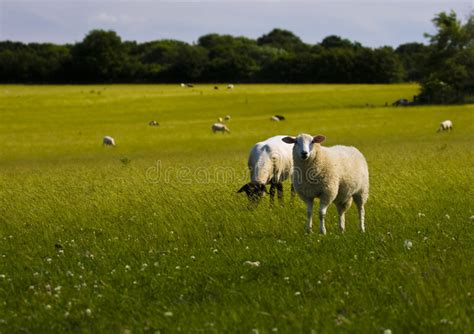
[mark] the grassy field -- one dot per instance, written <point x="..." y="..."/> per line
<point x="151" y="236"/>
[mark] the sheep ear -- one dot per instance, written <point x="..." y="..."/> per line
<point x="244" y="188"/>
<point x="318" y="139"/>
<point x="289" y="140"/>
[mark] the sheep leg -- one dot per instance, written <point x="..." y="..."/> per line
<point x="323" y="207"/>
<point x="341" y="209"/>
<point x="309" y="212"/>
<point x="279" y="187"/>
<point x="272" y="192"/>
<point x="359" y="201"/>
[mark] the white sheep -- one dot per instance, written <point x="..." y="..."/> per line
<point x="108" y="141"/>
<point x="219" y="127"/>
<point x="274" y="118"/>
<point x="446" y="125"/>
<point x="270" y="162"/>
<point x="230" y="86"/>
<point x="227" y="118"/>
<point x="334" y="174"/>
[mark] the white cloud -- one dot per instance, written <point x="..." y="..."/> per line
<point x="117" y="20"/>
<point x="105" y="18"/>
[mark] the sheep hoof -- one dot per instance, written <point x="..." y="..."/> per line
<point x="309" y="230"/>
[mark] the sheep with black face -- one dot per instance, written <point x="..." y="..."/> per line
<point x="270" y="162"/>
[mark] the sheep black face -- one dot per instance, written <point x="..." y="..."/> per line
<point x="254" y="191"/>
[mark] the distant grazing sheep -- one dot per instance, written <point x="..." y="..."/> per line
<point x="336" y="174"/>
<point x="230" y="86"/>
<point x="153" y="123"/>
<point x="274" y="118"/>
<point x="227" y="118"/>
<point x="219" y="127"/>
<point x="401" y="103"/>
<point x="446" y="125"/>
<point x="278" y="117"/>
<point x="109" y="141"/>
<point x="189" y="85"/>
<point x="183" y="85"/>
<point x="270" y="162"/>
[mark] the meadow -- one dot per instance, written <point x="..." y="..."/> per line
<point x="150" y="236"/>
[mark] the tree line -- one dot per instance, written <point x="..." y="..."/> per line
<point x="444" y="65"/>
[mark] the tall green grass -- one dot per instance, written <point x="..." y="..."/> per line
<point x="151" y="236"/>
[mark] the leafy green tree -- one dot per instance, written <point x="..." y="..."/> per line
<point x="231" y="58"/>
<point x="414" y="57"/>
<point x="333" y="41"/>
<point x="283" y="39"/>
<point x="449" y="75"/>
<point x="100" y="57"/>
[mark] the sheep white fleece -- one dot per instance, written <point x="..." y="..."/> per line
<point x="334" y="174"/>
<point x="108" y="141"/>
<point x="445" y="125"/>
<point x="218" y="127"/>
<point x="270" y="160"/>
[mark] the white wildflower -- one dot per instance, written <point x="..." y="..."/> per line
<point x="408" y="244"/>
<point x="252" y="263"/>
<point x="88" y="312"/>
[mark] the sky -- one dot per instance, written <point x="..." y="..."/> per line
<point x="370" y="22"/>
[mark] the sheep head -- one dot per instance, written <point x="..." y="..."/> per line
<point x="303" y="144"/>
<point x="254" y="191"/>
